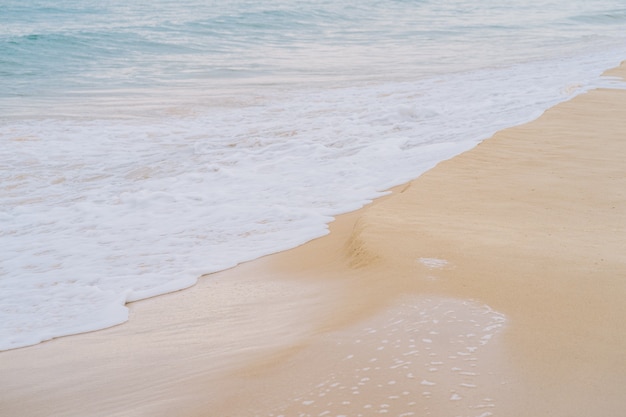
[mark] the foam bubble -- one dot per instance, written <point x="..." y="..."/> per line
<point x="433" y="263"/>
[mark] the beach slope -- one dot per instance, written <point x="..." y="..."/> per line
<point x="494" y="284"/>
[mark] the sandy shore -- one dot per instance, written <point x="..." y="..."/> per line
<point x="492" y="285"/>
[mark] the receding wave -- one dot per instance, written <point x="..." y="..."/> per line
<point x="144" y="144"/>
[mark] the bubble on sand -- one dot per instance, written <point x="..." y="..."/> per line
<point x="442" y="371"/>
<point x="433" y="263"/>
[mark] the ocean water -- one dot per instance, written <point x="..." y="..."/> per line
<point x="146" y="143"/>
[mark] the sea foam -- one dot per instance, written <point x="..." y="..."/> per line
<point x="139" y="153"/>
<point x="97" y="213"/>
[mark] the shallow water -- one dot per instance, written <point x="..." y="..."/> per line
<point x="427" y="356"/>
<point x="145" y="144"/>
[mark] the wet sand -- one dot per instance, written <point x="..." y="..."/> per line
<point x="492" y="285"/>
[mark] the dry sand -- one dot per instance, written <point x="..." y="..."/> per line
<point x="493" y="285"/>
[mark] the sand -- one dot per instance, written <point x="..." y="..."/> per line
<point x="492" y="285"/>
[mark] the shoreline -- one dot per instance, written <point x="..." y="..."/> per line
<point x="529" y="223"/>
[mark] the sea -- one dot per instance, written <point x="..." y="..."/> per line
<point x="146" y="143"/>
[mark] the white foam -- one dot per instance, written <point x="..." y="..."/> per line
<point x="433" y="263"/>
<point x="97" y="213"/>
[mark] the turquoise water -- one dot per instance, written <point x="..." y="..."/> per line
<point x="55" y="50"/>
<point x="146" y="143"/>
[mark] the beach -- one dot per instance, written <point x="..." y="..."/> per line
<point x="185" y="139"/>
<point x="493" y="284"/>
